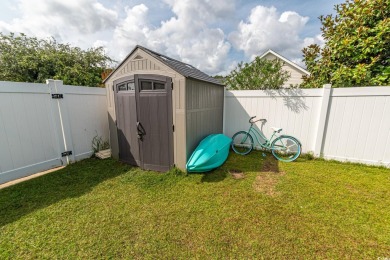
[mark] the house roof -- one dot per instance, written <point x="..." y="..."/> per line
<point x="182" y="68"/>
<point x="286" y="60"/>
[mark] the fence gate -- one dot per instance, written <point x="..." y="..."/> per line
<point x="144" y="121"/>
<point x="43" y="126"/>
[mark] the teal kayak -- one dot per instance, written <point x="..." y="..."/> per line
<point x="211" y="153"/>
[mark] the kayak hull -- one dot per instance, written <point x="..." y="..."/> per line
<point x="211" y="153"/>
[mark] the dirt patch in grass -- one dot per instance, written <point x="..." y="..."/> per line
<point x="266" y="183"/>
<point x="237" y="174"/>
<point x="268" y="177"/>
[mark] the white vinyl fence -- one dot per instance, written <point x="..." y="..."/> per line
<point x="346" y="124"/>
<point x="37" y="129"/>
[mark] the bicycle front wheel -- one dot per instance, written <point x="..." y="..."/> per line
<point x="242" y="143"/>
<point x="286" y="148"/>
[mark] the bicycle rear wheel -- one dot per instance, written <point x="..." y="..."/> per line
<point x="242" y="142"/>
<point x="286" y="148"/>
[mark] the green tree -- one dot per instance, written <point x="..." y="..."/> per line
<point x="357" y="46"/>
<point x="259" y="74"/>
<point x="29" y="59"/>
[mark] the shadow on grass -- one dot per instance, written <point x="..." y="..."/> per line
<point x="270" y="164"/>
<point x="214" y="176"/>
<point x="73" y="181"/>
<point x="255" y="161"/>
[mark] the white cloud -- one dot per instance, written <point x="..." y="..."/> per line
<point x="65" y="20"/>
<point x="131" y="31"/>
<point x="186" y="36"/>
<point x="266" y="29"/>
<point x="318" y="39"/>
<point x="201" y="11"/>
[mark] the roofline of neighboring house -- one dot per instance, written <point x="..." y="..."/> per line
<point x="285" y="60"/>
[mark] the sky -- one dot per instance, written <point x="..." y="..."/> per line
<point x="210" y="35"/>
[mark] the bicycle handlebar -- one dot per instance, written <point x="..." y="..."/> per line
<point x="252" y="122"/>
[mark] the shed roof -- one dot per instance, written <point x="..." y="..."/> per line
<point x="182" y="68"/>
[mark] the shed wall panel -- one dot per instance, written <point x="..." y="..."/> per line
<point x="179" y="121"/>
<point x="204" y="112"/>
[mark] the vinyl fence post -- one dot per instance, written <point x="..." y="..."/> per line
<point x="224" y="112"/>
<point x="61" y="118"/>
<point x="56" y="119"/>
<point x="319" y="141"/>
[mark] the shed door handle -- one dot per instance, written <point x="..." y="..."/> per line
<point x="141" y="130"/>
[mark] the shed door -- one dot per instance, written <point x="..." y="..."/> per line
<point x="126" y="112"/>
<point x="155" y="126"/>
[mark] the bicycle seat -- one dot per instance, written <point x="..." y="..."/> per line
<point x="276" y="129"/>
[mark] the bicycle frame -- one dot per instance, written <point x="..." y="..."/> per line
<point x="267" y="143"/>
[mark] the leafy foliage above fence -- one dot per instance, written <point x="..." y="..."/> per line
<point x="29" y="59"/>
<point x="357" y="46"/>
<point x="259" y="74"/>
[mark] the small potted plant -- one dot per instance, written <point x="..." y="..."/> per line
<point x="101" y="147"/>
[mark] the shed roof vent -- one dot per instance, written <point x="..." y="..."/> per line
<point x="138" y="57"/>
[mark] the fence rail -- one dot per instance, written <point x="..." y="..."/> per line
<point x="347" y="124"/>
<point x="36" y="129"/>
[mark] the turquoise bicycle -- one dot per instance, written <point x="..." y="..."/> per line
<point x="285" y="148"/>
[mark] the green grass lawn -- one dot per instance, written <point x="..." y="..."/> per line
<point x="105" y="209"/>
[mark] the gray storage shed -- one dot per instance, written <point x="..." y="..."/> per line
<point x="159" y="109"/>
